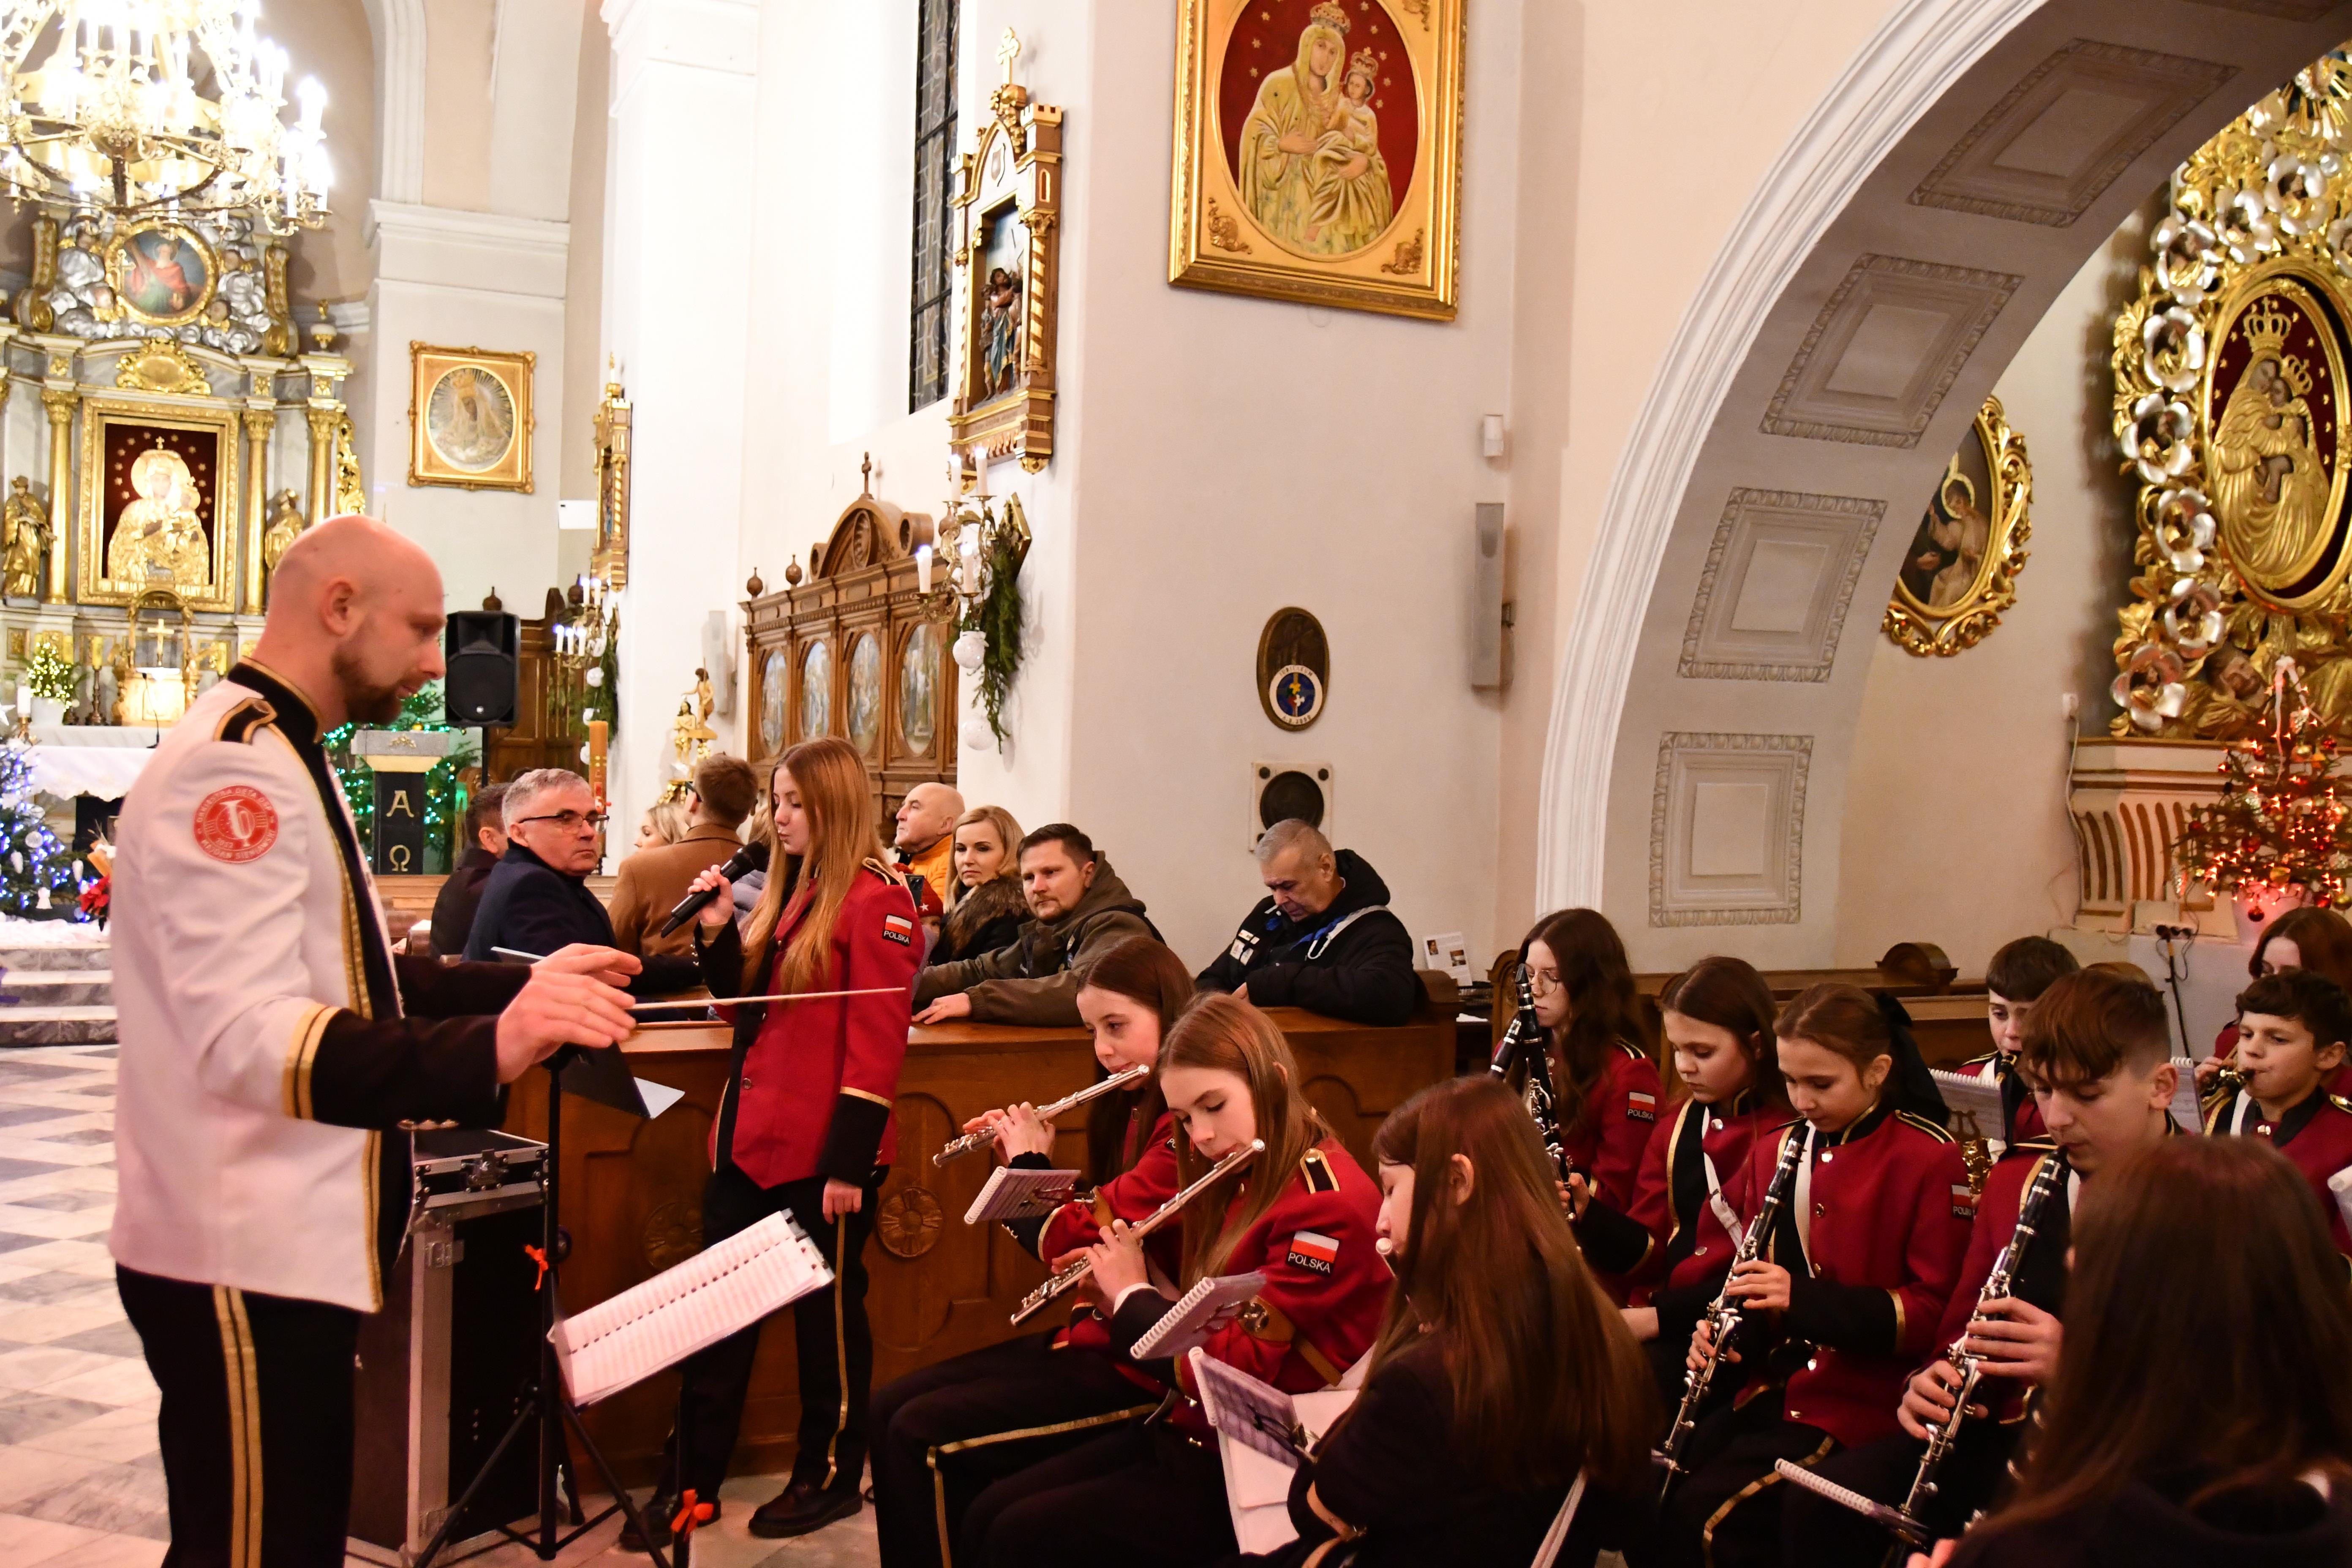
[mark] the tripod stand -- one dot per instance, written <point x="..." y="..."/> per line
<point x="545" y="1407"/>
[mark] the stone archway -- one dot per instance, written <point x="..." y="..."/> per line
<point x="1884" y="273"/>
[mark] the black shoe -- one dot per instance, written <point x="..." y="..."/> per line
<point x="656" y="1512"/>
<point x="801" y="1508"/>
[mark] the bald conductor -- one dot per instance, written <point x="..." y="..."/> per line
<point x="273" y="1045"/>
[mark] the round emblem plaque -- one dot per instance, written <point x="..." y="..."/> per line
<point x="1295" y="696"/>
<point x="909" y="1223"/>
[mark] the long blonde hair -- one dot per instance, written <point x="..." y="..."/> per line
<point x="843" y="834"/>
<point x="1008" y="838"/>
<point x="1224" y="1034"/>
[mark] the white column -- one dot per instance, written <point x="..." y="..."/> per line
<point x="677" y="232"/>
<point x="467" y="280"/>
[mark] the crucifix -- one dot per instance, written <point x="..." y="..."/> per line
<point x="1008" y="49"/>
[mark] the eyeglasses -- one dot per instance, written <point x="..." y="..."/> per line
<point x="569" y="821"/>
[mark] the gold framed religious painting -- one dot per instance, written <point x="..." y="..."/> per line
<point x="1960" y="570"/>
<point x="1007" y="254"/>
<point x="163" y="274"/>
<point x="159" y="503"/>
<point x="469" y="417"/>
<point x="1319" y="152"/>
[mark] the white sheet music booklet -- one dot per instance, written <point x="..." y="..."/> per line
<point x="726" y="1287"/>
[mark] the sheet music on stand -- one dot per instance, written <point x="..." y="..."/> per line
<point x="1012" y="1194"/>
<point x="1195" y="1314"/>
<point x="680" y="1310"/>
<point x="1974" y="1103"/>
<point x="2187" y="1114"/>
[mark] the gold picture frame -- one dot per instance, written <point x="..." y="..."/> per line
<point x="1008" y="278"/>
<point x="469" y="417"/>
<point x="1960" y="570"/>
<point x="147" y="266"/>
<point x="1288" y="183"/>
<point x="116" y="432"/>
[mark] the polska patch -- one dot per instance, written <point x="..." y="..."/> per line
<point x="1640" y="1107"/>
<point x="898" y="929"/>
<point x="1964" y="1201"/>
<point x="1316" y="1254"/>
<point x="235" y="824"/>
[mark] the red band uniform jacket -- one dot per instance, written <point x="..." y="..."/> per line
<point x="1621" y="1113"/>
<point x="2316" y="1134"/>
<point x="1326" y="1286"/>
<point x="1885" y="1225"/>
<point x="813" y="1081"/>
<point x="1684" y="1250"/>
<point x="2020" y="1118"/>
<point x="1131" y="1195"/>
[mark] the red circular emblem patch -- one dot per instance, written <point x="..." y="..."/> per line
<point x="237" y="824"/>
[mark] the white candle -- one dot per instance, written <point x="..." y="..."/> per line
<point x="923" y="570"/>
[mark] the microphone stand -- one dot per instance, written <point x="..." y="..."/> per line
<point x="545" y="1405"/>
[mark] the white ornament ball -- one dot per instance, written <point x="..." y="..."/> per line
<point x="970" y="649"/>
<point x="44" y="899"/>
<point x="596" y="677"/>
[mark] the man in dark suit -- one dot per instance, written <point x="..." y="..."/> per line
<point x="538" y="900"/>
<point x="461" y="895"/>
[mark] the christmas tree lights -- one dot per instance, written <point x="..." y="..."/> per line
<point x="421" y="711"/>
<point x="38" y="881"/>
<point x="2278" y="832"/>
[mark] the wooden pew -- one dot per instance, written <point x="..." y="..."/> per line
<point x="632" y="1191"/>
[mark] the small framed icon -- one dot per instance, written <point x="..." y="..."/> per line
<point x="1295" y="697"/>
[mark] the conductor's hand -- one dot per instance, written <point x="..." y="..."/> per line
<point x="721" y="909"/>
<point x="559" y="1007"/>
<point x="841" y="1197"/>
<point x="1927" y="1399"/>
<point x="609" y="964"/>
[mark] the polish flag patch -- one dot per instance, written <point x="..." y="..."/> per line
<point x="1316" y="1254"/>
<point x="898" y="929"/>
<point x="1640" y="1107"/>
<point x="1964" y="1201"/>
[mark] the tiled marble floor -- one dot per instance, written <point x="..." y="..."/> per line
<point x="80" y="1483"/>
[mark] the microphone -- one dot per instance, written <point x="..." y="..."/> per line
<point x="750" y="857"/>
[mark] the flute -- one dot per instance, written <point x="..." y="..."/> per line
<point x="1067" y="1281"/>
<point x="983" y="1137"/>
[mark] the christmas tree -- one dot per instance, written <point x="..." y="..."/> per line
<point x="2278" y="831"/>
<point x="38" y="881"/>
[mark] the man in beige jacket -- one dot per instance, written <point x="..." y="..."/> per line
<point x="653" y="880"/>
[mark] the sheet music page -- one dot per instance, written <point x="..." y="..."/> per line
<point x="1245" y="1409"/>
<point x="1974" y="1103"/>
<point x="1189" y="1322"/>
<point x="2186" y="1111"/>
<point x="667" y="1318"/>
<point x="1021" y="1194"/>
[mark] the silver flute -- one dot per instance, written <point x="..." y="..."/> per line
<point x="986" y="1135"/>
<point x="1061" y="1284"/>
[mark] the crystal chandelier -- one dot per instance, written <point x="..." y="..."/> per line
<point x="141" y="106"/>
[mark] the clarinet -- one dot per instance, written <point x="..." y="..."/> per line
<point x="1723" y="1316"/>
<point x="1940" y="1437"/>
<point x="1525" y="1039"/>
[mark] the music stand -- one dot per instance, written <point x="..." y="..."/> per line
<point x="602" y="1076"/>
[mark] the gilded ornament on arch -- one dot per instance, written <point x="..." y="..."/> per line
<point x="1960" y="570"/>
<point x="1318" y="152"/>
<point x="163" y="365"/>
<point x="2232" y="411"/>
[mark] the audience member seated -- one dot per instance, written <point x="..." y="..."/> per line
<point x="2238" y="1451"/>
<point x="461" y="895"/>
<point x="924" y="842"/>
<point x="664" y="821"/>
<point x="1077" y="908"/>
<point x="1322" y="938"/>
<point x="538" y="900"/>
<point x="988" y="907"/>
<point x="654" y="880"/>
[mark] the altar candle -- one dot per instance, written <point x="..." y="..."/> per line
<point x="923" y="570"/>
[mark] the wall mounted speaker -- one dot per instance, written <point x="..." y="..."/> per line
<point x="1279" y="791"/>
<point x="1488" y="670"/>
<point x="483" y="649"/>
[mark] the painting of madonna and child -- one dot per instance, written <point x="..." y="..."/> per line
<point x="1320" y="122"/>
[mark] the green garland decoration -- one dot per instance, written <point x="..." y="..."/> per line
<point x="423" y="710"/>
<point x="997" y="617"/>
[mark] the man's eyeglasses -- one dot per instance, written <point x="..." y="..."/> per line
<point x="569" y="821"/>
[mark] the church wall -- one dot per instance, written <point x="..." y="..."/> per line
<point x="460" y="101"/>
<point x="1956" y="829"/>
<point x="583" y="291"/>
<point x="329" y="39"/>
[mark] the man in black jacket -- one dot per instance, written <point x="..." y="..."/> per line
<point x="461" y="895"/>
<point x="1323" y="938"/>
<point x="538" y="900"/>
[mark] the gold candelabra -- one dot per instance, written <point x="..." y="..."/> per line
<point x="589" y="627"/>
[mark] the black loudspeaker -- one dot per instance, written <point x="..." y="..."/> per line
<point x="483" y="649"/>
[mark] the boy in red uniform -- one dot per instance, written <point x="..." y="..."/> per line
<point x="2098" y="1057"/>
<point x="2016" y="979"/>
<point x="2292" y="1032"/>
